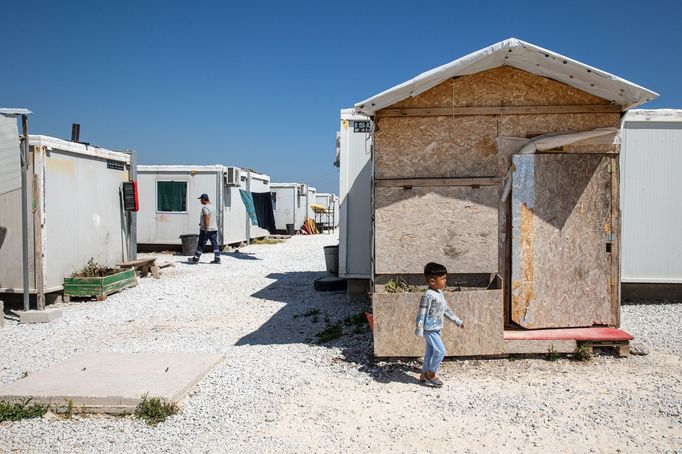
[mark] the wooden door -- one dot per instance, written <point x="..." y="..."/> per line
<point x="561" y="241"/>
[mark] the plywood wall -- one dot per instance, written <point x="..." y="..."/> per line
<point x="503" y="86"/>
<point x="481" y="311"/>
<point x="452" y="225"/>
<point x="420" y="225"/>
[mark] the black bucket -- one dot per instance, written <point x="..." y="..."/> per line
<point x="190" y="242"/>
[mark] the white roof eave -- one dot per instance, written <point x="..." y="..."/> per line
<point x="525" y="56"/>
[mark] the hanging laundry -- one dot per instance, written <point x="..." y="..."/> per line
<point x="262" y="202"/>
<point x="247" y="198"/>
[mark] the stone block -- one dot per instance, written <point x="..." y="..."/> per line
<point x="45" y="316"/>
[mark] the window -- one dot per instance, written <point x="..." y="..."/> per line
<point x="171" y="196"/>
<point x="274" y="200"/>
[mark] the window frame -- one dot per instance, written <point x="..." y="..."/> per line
<point x="156" y="193"/>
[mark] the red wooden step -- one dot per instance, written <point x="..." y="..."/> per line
<point x="595" y="334"/>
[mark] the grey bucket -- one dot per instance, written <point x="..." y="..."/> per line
<point x="331" y="258"/>
<point x="290" y="229"/>
<point x="190" y="242"/>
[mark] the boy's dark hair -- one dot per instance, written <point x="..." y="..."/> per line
<point x="433" y="269"/>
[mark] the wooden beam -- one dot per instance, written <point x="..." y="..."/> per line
<point x="520" y="110"/>
<point x="436" y="182"/>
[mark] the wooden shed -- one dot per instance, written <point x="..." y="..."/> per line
<point x="503" y="166"/>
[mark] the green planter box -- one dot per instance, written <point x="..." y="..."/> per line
<point x="98" y="287"/>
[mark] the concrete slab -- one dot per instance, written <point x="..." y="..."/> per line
<point x="113" y="382"/>
<point x="44" y="316"/>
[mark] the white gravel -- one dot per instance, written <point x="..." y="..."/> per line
<point x="277" y="392"/>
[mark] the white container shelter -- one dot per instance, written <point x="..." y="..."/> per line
<point x="651" y="165"/>
<point x="331" y="203"/>
<point x="169" y="205"/>
<point x="74" y="189"/>
<point x="290" y="204"/>
<point x="354" y="159"/>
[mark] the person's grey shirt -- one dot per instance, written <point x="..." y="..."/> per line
<point x="212" y="223"/>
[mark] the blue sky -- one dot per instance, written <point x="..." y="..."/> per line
<point x="260" y="84"/>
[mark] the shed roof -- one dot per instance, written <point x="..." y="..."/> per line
<point x="53" y="143"/>
<point x="525" y="56"/>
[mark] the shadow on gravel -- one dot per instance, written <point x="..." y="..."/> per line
<point x="325" y="319"/>
<point x="241" y="255"/>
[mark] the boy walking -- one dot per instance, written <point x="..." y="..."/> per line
<point x="432" y="309"/>
<point x="208" y="230"/>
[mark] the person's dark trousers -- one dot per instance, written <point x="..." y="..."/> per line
<point x="204" y="236"/>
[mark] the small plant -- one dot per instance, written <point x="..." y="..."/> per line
<point x="309" y="313"/>
<point x="155" y="410"/>
<point x="552" y="354"/>
<point x="330" y="333"/>
<point x="358" y="319"/>
<point x="94" y="269"/>
<point x="68" y="414"/>
<point x="21" y="410"/>
<point x="582" y="353"/>
<point x="398" y="285"/>
<point x="24" y="374"/>
<point x="266" y="241"/>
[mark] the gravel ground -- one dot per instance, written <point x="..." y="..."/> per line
<point x="277" y="391"/>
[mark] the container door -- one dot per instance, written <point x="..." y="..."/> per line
<point x="561" y="250"/>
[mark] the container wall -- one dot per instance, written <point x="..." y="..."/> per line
<point x="156" y="227"/>
<point x="11" y="271"/>
<point x="355" y="212"/>
<point x="83" y="214"/>
<point x="651" y="164"/>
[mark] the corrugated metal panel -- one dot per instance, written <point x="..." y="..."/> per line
<point x="651" y="187"/>
<point x="10" y="163"/>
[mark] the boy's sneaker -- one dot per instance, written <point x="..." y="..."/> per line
<point x="215" y="261"/>
<point x="435" y="381"/>
<point x="193" y="259"/>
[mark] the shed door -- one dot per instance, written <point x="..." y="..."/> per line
<point x="561" y="221"/>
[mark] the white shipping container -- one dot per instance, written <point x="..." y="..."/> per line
<point x="651" y="165"/>
<point x="77" y="214"/>
<point x="355" y="177"/>
<point x="169" y="205"/>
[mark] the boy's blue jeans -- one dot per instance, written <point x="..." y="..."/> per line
<point x="435" y="351"/>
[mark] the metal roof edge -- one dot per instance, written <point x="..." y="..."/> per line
<point x="531" y="59"/>
<point x="55" y="143"/>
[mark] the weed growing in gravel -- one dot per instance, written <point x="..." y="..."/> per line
<point x="330" y="333"/>
<point x="582" y="353"/>
<point x="266" y="241"/>
<point x="21" y="410"/>
<point x="357" y="321"/>
<point x="24" y="374"/>
<point x="552" y="354"/>
<point x="68" y="414"/>
<point x="308" y="313"/>
<point x="155" y="410"/>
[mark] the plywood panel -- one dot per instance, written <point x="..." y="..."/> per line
<point x="455" y="226"/>
<point x="561" y="221"/>
<point x="431" y="147"/>
<point x="395" y="317"/>
<point x="531" y="125"/>
<point x="504" y="86"/>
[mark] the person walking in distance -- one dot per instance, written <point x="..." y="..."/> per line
<point x="208" y="230"/>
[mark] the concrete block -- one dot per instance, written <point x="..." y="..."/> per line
<point x="2" y="313"/>
<point x="108" y="382"/>
<point x="45" y="316"/>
